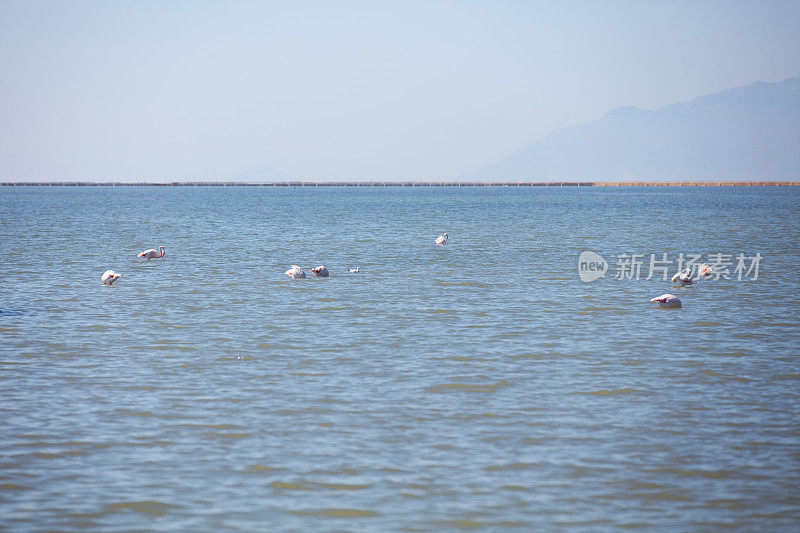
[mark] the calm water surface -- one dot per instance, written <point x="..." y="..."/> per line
<point x="479" y="385"/>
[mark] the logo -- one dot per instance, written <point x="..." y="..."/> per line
<point x="591" y="266"/>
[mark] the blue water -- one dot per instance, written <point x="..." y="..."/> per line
<point x="475" y="386"/>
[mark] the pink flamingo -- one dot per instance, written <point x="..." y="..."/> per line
<point x="684" y="277"/>
<point x="109" y="277"/>
<point x="704" y="271"/>
<point x="296" y="272"/>
<point x="151" y="253"/>
<point x="667" y="300"/>
<point x="320" y="271"/>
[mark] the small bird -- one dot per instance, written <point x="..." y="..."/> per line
<point x="296" y="272"/>
<point x="667" y="300"/>
<point x="704" y="271"/>
<point x="152" y="252"/>
<point x="684" y="277"/>
<point x="320" y="271"/>
<point x="355" y="270"/>
<point x="441" y="239"/>
<point x="109" y="277"/>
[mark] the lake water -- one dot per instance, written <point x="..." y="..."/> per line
<point x="479" y="385"/>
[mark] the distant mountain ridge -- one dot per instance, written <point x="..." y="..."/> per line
<point x="750" y="132"/>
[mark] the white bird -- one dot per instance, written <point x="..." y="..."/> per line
<point x="152" y="252"/>
<point x="704" y="271"/>
<point x="667" y="300"/>
<point x="441" y="239"/>
<point x="684" y="277"/>
<point x="109" y="277"/>
<point x="296" y="272"/>
<point x="320" y="271"/>
<point x="355" y="270"/>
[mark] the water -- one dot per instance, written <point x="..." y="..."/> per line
<point x="479" y="385"/>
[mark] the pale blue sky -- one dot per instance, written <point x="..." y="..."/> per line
<point x="354" y="90"/>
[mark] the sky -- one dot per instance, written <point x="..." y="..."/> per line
<point x="344" y="90"/>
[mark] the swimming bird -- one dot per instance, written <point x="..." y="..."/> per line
<point x="441" y="239"/>
<point x="704" y="271"/>
<point x="355" y="270"/>
<point x="296" y="272"/>
<point x="152" y="252"/>
<point x="684" y="277"/>
<point x="109" y="277"/>
<point x="667" y="300"/>
<point x="320" y="271"/>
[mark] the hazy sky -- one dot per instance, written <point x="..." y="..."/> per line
<point x="208" y="90"/>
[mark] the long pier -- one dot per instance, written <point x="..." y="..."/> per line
<point x="681" y="183"/>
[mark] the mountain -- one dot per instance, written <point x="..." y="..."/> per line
<point x="748" y="132"/>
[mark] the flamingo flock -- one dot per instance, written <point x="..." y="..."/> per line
<point x="682" y="279"/>
<point x="110" y="276"/>
<point x="295" y="272"/>
<point x="321" y="271"/>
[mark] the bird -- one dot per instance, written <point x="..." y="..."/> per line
<point x="320" y="271"/>
<point x="441" y="239"/>
<point x="667" y="300"/>
<point x="151" y="253"/>
<point x="109" y="277"/>
<point x="355" y="270"/>
<point x="296" y="272"/>
<point x="684" y="277"/>
<point x="704" y="271"/>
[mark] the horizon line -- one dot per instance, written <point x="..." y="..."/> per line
<point x="437" y="183"/>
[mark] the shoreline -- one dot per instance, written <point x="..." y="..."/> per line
<point x="636" y="183"/>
